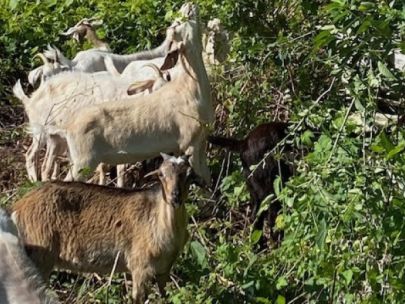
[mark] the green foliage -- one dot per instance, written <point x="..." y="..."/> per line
<point x="314" y="63"/>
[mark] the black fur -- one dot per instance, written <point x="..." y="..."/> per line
<point x="252" y="150"/>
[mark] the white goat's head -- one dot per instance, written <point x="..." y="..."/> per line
<point x="189" y="11"/>
<point x="80" y="30"/>
<point x="173" y="174"/>
<point x="48" y="68"/>
<point x="186" y="34"/>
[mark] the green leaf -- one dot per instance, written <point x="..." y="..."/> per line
<point x="365" y="6"/>
<point x="262" y="300"/>
<point x="199" y="253"/>
<point x="280" y="222"/>
<point x="348" y="275"/>
<point x="281" y="282"/>
<point x="385" y="71"/>
<point x="280" y="299"/>
<point x="358" y="105"/>
<point x="13" y="4"/>
<point x="265" y="204"/>
<point x="321" y="236"/>
<point x="255" y="237"/>
<point x="396" y="150"/>
<point x="307" y="137"/>
<point x="386" y="142"/>
<point x="277" y="185"/>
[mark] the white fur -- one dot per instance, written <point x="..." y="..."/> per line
<point x="19" y="280"/>
<point x="169" y="120"/>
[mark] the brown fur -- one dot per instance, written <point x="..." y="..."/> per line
<point x="83" y="227"/>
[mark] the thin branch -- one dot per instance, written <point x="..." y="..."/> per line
<point x="297" y="126"/>
<point x="113" y="269"/>
<point x="340" y="130"/>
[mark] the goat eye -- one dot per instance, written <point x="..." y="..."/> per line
<point x="160" y="174"/>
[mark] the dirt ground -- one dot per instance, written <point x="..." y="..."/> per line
<point x="13" y="144"/>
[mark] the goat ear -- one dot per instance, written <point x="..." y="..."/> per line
<point x="170" y="60"/>
<point x="76" y="36"/>
<point x="165" y="156"/>
<point x="186" y="158"/>
<point x="154" y="172"/>
<point x="140" y="86"/>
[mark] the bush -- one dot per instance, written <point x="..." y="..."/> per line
<point x="314" y="63"/>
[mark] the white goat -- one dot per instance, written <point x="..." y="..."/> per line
<point x="19" y="281"/>
<point x="85" y="28"/>
<point x="171" y="119"/>
<point x="89" y="228"/>
<point x="60" y="98"/>
<point x="93" y="60"/>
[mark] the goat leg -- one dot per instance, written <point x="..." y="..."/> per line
<point x="162" y="279"/>
<point x="138" y="286"/>
<point x="49" y="160"/>
<point x="32" y="159"/>
<point x="121" y="175"/>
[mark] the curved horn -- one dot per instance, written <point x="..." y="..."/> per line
<point x="83" y="21"/>
<point x="95" y="22"/>
<point x="154" y="172"/>
<point x="155" y="68"/>
<point x="165" y="156"/>
<point x="43" y="58"/>
<point x="70" y="31"/>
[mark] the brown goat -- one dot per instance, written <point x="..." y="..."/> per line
<point x="88" y="228"/>
<point x="252" y="149"/>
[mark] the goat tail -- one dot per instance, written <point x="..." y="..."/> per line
<point x="232" y="144"/>
<point x="110" y="66"/>
<point x="19" y="93"/>
<point x="38" y="130"/>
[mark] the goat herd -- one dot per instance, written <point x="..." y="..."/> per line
<point x="106" y="109"/>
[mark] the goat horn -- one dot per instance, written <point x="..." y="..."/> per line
<point x="154" y="172"/>
<point x="43" y="58"/>
<point x="83" y="21"/>
<point x="165" y="156"/>
<point x="155" y="68"/>
<point x="70" y="31"/>
<point x="96" y="22"/>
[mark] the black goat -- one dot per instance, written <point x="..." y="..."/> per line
<point x="252" y="150"/>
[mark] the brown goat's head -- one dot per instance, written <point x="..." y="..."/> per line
<point x="173" y="174"/>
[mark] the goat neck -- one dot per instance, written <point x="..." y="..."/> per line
<point x="168" y="221"/>
<point x="121" y="61"/>
<point x="192" y="73"/>
<point x="97" y="42"/>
